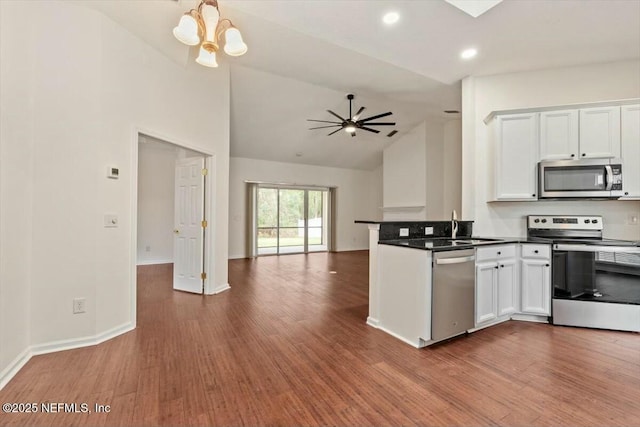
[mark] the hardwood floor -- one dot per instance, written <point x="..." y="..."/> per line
<point x="288" y="345"/>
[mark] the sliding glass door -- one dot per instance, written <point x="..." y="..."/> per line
<point x="291" y="220"/>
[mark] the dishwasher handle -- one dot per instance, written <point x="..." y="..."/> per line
<point x="460" y="260"/>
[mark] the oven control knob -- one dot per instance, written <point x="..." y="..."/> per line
<point x="594" y="221"/>
<point x="544" y="220"/>
<point x="536" y="220"/>
<point x="586" y="221"/>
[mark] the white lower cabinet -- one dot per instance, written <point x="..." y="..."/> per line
<point x="486" y="298"/>
<point x="535" y="279"/>
<point x="496" y="283"/>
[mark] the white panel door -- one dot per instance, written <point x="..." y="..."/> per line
<point x="600" y="132"/>
<point x="188" y="248"/>
<point x="507" y="287"/>
<point x="536" y="287"/>
<point x="486" y="283"/>
<point x="631" y="150"/>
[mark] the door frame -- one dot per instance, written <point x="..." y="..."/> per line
<point x="209" y="211"/>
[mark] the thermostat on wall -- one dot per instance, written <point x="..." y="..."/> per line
<point x="113" y="172"/>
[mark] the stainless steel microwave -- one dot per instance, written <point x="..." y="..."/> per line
<point x="577" y="179"/>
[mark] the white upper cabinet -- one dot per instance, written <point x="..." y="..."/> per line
<point x="630" y="136"/>
<point x="600" y="132"/>
<point x="516" y="156"/>
<point x="559" y="135"/>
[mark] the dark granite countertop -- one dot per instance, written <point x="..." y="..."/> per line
<point x="446" y="244"/>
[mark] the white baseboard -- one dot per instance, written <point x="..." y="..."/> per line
<point x="221" y="288"/>
<point x="154" y="262"/>
<point x="372" y="322"/>
<point x="403" y="339"/>
<point x="10" y="371"/>
<point x="363" y="248"/>
<point x="61" y="345"/>
<point x="530" y="318"/>
<point x="237" y="257"/>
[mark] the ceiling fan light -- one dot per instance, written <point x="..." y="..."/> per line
<point x="350" y="129"/>
<point x="206" y="58"/>
<point x="234" y="45"/>
<point x="187" y="30"/>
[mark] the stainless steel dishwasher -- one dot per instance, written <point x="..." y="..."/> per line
<point x="453" y="293"/>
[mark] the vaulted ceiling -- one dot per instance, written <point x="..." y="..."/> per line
<point x="305" y="56"/>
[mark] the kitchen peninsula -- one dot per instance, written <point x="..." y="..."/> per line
<point x="425" y="286"/>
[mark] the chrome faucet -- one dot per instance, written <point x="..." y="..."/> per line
<point x="454" y="224"/>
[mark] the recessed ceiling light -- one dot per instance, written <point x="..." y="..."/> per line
<point x="468" y="53"/>
<point x="391" y="18"/>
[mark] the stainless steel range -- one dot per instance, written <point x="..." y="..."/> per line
<point x="596" y="281"/>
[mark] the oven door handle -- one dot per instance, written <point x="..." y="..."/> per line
<point x="609" y="177"/>
<point x="593" y="248"/>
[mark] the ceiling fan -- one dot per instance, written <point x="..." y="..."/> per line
<point x="354" y="122"/>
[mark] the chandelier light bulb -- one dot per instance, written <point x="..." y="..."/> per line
<point x="350" y="129"/>
<point x="206" y="58"/>
<point x="187" y="30"/>
<point x="234" y="45"/>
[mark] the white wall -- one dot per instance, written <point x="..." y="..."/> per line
<point x="421" y="171"/>
<point x="156" y="188"/>
<point x="16" y="192"/>
<point x="78" y="106"/>
<point x="482" y="95"/>
<point x="355" y="198"/>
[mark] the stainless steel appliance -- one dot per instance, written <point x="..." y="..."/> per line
<point x="596" y="281"/>
<point x="453" y="293"/>
<point x="589" y="178"/>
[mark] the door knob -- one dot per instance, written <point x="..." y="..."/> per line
<point x="176" y="231"/>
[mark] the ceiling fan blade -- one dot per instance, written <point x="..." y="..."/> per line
<point x="331" y="112"/>
<point x="369" y="129"/>
<point x="323" y="127"/>
<point x="323" y="121"/>
<point x="337" y="130"/>
<point x="380" y="124"/>
<point x="376" y="116"/>
<point x="357" y="116"/>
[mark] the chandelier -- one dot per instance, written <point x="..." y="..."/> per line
<point x="203" y="26"/>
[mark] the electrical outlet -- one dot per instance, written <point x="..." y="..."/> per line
<point x="79" y="305"/>
<point x="404" y="232"/>
<point x="428" y="231"/>
<point x="632" y="219"/>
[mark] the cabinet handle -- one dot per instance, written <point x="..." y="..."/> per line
<point x="502" y="266"/>
<point x="496" y="267"/>
<point x="626" y="193"/>
<point x="584" y="154"/>
<point x="499" y="253"/>
<point x="546" y="265"/>
<point x="573" y="155"/>
<point x="533" y="195"/>
<point x="535" y="252"/>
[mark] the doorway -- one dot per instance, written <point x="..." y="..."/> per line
<point x="291" y="220"/>
<point x="171" y="211"/>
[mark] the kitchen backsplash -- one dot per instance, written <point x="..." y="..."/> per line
<point x="391" y="230"/>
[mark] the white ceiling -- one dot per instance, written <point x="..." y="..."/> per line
<point x="304" y="56"/>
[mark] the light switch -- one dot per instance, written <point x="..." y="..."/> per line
<point x="110" y="220"/>
<point x="113" y="172"/>
<point x="404" y="232"/>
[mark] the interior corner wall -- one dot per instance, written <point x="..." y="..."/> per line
<point x="560" y="86"/>
<point x="83" y="102"/>
<point x="452" y="170"/>
<point x="422" y="173"/>
<point x="355" y="200"/>
<point x="405" y="176"/>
